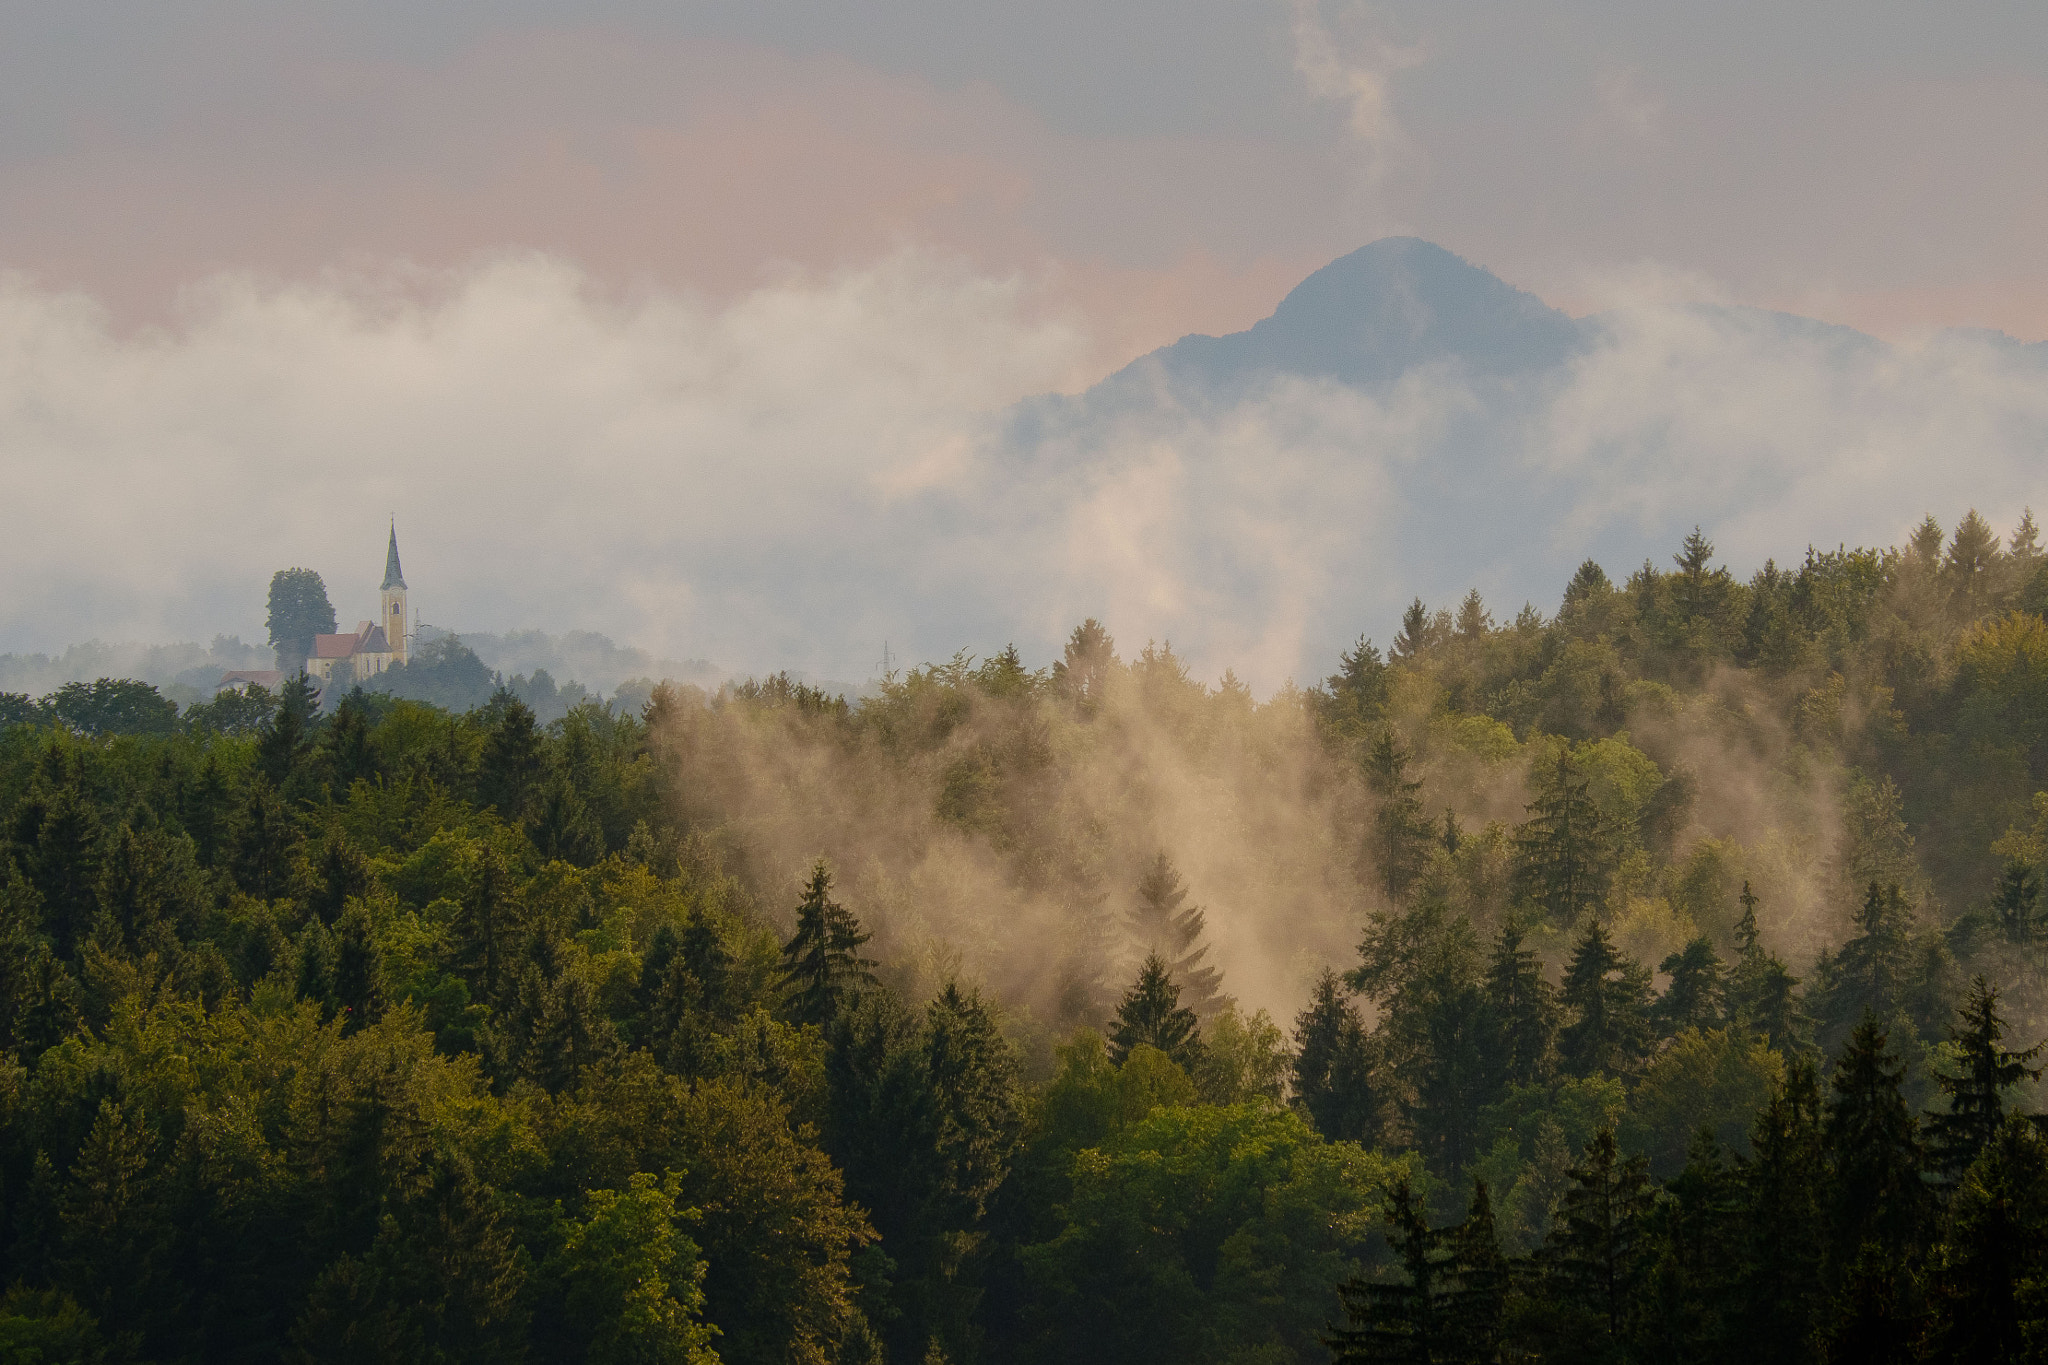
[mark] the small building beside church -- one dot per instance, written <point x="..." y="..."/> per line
<point x="373" y="646"/>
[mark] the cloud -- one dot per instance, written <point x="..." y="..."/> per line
<point x="789" y="478"/>
<point x="1350" y="62"/>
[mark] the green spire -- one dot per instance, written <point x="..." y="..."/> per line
<point x="392" y="577"/>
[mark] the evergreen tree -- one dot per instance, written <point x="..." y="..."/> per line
<point x="1592" y="1269"/>
<point x="1400" y="831"/>
<point x="511" y="762"/>
<point x="1878" y="1206"/>
<point x="1332" y="1065"/>
<point x="1988" y="1295"/>
<point x="821" y="963"/>
<point x="1870" y="974"/>
<point x="1151" y="1013"/>
<point x="1359" y="689"/>
<point x="1522" y="1007"/>
<point x="358" y="969"/>
<point x="1161" y="928"/>
<point x="1391" y="1323"/>
<point x="65" y="842"/>
<point x="1692" y="1258"/>
<point x="1416" y="634"/>
<point x="285" y="740"/>
<point x="1479" y="1282"/>
<point x="1775" y="1306"/>
<point x="1874" y="1148"/>
<point x="1083" y="673"/>
<point x="345" y="744"/>
<point x="1972" y="564"/>
<point x="1455" y="1074"/>
<point x="1563" y="859"/>
<point x="1762" y="995"/>
<point x="1976" y="1093"/>
<point x="1697" y="995"/>
<point x="2014" y="901"/>
<point x="483" y="937"/>
<point x="1474" y="621"/>
<point x="1605" y="997"/>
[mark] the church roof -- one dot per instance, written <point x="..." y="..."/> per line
<point x="335" y="646"/>
<point x="392" y="577"/>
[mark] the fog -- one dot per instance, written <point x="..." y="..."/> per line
<point x="795" y="478"/>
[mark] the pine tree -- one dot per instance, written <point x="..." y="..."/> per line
<point x="1161" y="928"/>
<point x="1604" y="996"/>
<point x="1400" y="831"/>
<point x="1522" y="1007"/>
<point x="1972" y="563"/>
<point x="1083" y="674"/>
<point x="821" y="965"/>
<point x="1762" y="994"/>
<point x="1474" y="621"/>
<point x="1563" y="861"/>
<point x="1151" y="1013"/>
<point x="1591" y="1263"/>
<point x="1776" y="1303"/>
<point x="486" y="925"/>
<point x="1869" y="975"/>
<point x="1976" y="1095"/>
<point x="1878" y="1207"/>
<point x="358" y="969"/>
<point x="1478" y="1285"/>
<point x="1692" y="1255"/>
<point x="511" y="762"/>
<point x="2014" y="902"/>
<point x="1988" y="1276"/>
<point x="1397" y="1324"/>
<point x="1360" y="687"/>
<point x="1416" y="634"/>
<point x="1333" y="1080"/>
<point x="1454" y="1073"/>
<point x="285" y="740"/>
<point x="1696" y="997"/>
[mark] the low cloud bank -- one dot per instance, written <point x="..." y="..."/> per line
<point x="822" y="466"/>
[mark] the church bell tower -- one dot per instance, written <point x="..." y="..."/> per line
<point x="393" y="606"/>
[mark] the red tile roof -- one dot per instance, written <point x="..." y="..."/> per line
<point x="335" y="646"/>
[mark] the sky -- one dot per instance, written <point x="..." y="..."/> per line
<point x="686" y="322"/>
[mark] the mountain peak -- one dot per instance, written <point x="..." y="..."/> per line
<point x="1368" y="317"/>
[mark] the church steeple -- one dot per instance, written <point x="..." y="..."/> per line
<point x="393" y="601"/>
<point x="392" y="577"/>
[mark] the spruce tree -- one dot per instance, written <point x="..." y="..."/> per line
<point x="484" y="934"/>
<point x="1454" y="1071"/>
<point x="1976" y="1092"/>
<point x="1479" y="1281"/>
<point x="1332" y="1064"/>
<point x="511" y="762"/>
<point x="358" y="969"/>
<point x="1988" y="1295"/>
<point x="1400" y="831"/>
<point x="1870" y="974"/>
<point x="1161" y="928"/>
<point x="1563" y="858"/>
<point x="2014" y="901"/>
<point x="821" y="965"/>
<point x="1762" y="995"/>
<point x="1591" y="1262"/>
<point x="1879" y="1209"/>
<point x="1604" y="997"/>
<point x="1390" y="1323"/>
<point x="1522" y="1008"/>
<point x="1776" y="1303"/>
<point x="1697" y="995"/>
<point x="286" y="738"/>
<point x="1151" y="1013"/>
<point x="1692" y="1257"/>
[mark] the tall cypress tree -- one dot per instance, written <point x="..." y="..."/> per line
<point x="1976" y="1093"/>
<point x="821" y="964"/>
<point x="1605" y="995"/>
<point x="1522" y="1008"/>
<point x="1333" y="1072"/>
<point x="1400" y="831"/>
<point x="1162" y="929"/>
<point x="1563" y="854"/>
<point x="1151" y="1013"/>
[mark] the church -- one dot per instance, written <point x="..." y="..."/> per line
<point x="375" y="645"/>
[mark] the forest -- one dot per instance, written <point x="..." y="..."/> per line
<point x="1661" y="979"/>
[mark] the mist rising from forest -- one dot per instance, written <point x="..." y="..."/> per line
<point x="992" y="822"/>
